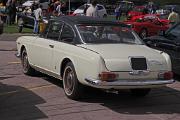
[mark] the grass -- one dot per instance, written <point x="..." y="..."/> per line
<point x="14" y="29"/>
<point x="112" y="17"/>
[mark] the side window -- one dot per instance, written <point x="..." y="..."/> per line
<point x="54" y="30"/>
<point x="67" y="34"/>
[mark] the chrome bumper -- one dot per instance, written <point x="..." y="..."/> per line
<point x="130" y="83"/>
<point x="17" y="55"/>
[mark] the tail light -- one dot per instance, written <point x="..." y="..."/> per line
<point x="105" y="76"/>
<point x="166" y="75"/>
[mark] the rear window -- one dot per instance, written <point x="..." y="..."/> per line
<point x="103" y="34"/>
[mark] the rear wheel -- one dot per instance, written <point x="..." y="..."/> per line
<point x="140" y="92"/>
<point x="72" y="87"/>
<point x="27" y="69"/>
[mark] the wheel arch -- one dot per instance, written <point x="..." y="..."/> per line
<point x="63" y="65"/>
<point x="22" y="48"/>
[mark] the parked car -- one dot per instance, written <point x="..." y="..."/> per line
<point x="26" y="18"/>
<point x="148" y="25"/>
<point x="137" y="11"/>
<point x="168" y="42"/>
<point x="80" y="11"/>
<point x="1" y="26"/>
<point x="82" y="51"/>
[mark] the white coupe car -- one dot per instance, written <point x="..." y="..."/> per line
<point x="84" y="51"/>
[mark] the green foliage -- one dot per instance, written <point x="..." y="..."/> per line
<point x="14" y="29"/>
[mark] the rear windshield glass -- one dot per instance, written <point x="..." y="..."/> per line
<point x="107" y="34"/>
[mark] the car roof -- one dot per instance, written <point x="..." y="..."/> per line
<point x="74" y="20"/>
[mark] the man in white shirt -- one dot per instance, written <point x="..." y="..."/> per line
<point x="38" y="17"/>
<point x="173" y="17"/>
<point x="92" y="10"/>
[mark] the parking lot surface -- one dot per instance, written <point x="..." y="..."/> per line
<point x="42" y="97"/>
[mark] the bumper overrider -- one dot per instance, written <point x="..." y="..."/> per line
<point x="127" y="83"/>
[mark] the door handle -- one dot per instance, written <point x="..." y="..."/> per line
<point x="51" y="46"/>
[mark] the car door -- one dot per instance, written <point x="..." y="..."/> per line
<point x="44" y="46"/>
<point x="28" y="19"/>
<point x="64" y="47"/>
<point x="157" y="27"/>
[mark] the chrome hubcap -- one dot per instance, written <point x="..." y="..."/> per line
<point x="25" y="62"/>
<point x="68" y="81"/>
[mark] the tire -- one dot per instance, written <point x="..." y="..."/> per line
<point x="140" y="92"/>
<point x="20" y="28"/>
<point x="27" y="69"/>
<point x="72" y="88"/>
<point x="143" y="34"/>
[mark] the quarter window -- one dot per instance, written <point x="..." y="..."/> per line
<point x="67" y="34"/>
<point x="54" y="30"/>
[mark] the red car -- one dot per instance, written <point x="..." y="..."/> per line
<point x="148" y="25"/>
<point x="137" y="11"/>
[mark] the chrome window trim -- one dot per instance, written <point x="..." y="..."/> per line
<point x="79" y="34"/>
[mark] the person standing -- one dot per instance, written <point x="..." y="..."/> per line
<point x="117" y="12"/>
<point x="14" y="10"/>
<point x="58" y="9"/>
<point x="38" y="17"/>
<point x="173" y="17"/>
<point x="92" y="10"/>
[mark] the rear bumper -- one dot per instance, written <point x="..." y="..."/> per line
<point x="127" y="83"/>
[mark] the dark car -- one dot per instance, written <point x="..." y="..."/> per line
<point x="168" y="42"/>
<point x="25" y="20"/>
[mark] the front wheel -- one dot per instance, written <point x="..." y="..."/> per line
<point x="72" y="87"/>
<point x="27" y="69"/>
<point x="140" y="92"/>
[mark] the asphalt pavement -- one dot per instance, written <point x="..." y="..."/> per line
<point x="42" y="97"/>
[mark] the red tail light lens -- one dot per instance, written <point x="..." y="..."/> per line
<point x="105" y="76"/>
<point x="166" y="75"/>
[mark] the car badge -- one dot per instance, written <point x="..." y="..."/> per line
<point x="155" y="62"/>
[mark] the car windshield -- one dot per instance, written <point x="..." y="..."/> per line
<point x="104" y="34"/>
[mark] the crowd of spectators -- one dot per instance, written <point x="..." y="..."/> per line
<point x="56" y="6"/>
